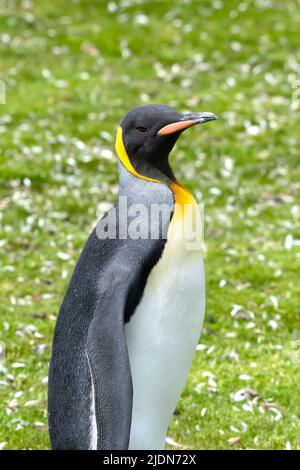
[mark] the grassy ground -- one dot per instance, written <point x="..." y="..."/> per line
<point x="72" y="69"/>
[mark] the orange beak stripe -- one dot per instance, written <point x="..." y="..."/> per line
<point x="176" y="126"/>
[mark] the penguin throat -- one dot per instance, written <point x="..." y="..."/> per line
<point x="160" y="171"/>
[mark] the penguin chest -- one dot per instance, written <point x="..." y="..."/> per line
<point x="162" y="335"/>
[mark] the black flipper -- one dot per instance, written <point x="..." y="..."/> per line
<point x="109" y="365"/>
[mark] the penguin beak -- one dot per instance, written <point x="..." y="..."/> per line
<point x="185" y="121"/>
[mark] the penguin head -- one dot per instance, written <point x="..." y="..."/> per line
<point x="148" y="133"/>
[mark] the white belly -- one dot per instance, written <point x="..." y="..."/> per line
<point x="162" y="335"/>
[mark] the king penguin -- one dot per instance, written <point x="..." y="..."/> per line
<point x="131" y="317"/>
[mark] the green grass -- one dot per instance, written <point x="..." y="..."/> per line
<point x="72" y="69"/>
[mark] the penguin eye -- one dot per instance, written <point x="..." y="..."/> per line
<point x="142" y="130"/>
